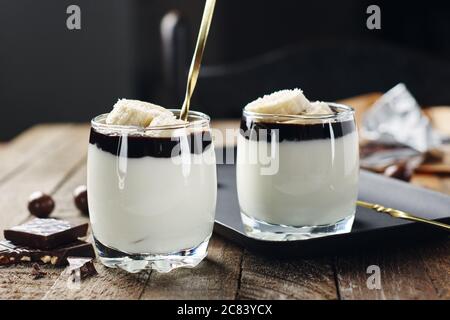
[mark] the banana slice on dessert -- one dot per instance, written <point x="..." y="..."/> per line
<point x="165" y="119"/>
<point x="134" y="113"/>
<point x="162" y="121"/>
<point x="281" y="102"/>
<point x="288" y="102"/>
<point x="319" y="108"/>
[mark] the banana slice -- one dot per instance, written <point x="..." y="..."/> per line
<point x="165" y="119"/>
<point x="289" y="102"/>
<point x="134" y="113"/>
<point x="319" y="108"/>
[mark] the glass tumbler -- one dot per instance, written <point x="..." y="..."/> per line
<point x="152" y="193"/>
<point x="297" y="176"/>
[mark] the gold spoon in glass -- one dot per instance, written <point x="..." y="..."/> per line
<point x="194" y="70"/>
<point x="401" y="214"/>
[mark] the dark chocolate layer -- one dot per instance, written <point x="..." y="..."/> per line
<point x="259" y="130"/>
<point x="145" y="146"/>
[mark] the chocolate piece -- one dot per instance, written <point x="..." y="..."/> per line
<point x="434" y="156"/>
<point x="12" y="254"/>
<point x="259" y="130"/>
<point x="147" y="146"/>
<point x="404" y="170"/>
<point x="40" y="204"/>
<point x="372" y="147"/>
<point x="45" y="233"/>
<point x="85" y="267"/>
<point x="81" y="200"/>
<point x="398" y="171"/>
<point x="37" y="273"/>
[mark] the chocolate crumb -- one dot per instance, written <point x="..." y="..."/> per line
<point x="83" y="267"/>
<point x="37" y="273"/>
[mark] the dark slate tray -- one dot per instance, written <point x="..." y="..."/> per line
<point x="369" y="229"/>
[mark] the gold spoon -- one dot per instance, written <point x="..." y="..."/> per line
<point x="197" y="58"/>
<point x="400" y="214"/>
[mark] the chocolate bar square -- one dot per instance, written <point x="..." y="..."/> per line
<point x="45" y="233"/>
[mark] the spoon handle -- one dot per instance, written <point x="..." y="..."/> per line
<point x="194" y="70"/>
<point x="401" y="214"/>
<point x="434" y="223"/>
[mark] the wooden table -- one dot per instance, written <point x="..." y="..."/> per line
<point x="52" y="158"/>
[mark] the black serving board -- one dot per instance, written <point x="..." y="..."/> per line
<point x="369" y="229"/>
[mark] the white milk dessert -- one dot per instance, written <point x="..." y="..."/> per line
<point x="151" y="186"/>
<point x="297" y="167"/>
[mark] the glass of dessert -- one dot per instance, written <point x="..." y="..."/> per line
<point x="151" y="187"/>
<point x="297" y="167"/>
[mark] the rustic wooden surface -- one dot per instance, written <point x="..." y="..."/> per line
<point x="51" y="158"/>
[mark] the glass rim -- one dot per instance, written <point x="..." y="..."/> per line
<point x="201" y="118"/>
<point x="344" y="111"/>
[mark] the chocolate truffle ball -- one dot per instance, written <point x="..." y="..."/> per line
<point x="80" y="199"/>
<point x="40" y="204"/>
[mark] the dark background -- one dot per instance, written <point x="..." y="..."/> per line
<point x="49" y="73"/>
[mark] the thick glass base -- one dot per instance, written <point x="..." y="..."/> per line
<point x="266" y="231"/>
<point x="163" y="263"/>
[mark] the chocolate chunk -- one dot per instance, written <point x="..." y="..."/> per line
<point x="12" y="254"/>
<point x="81" y="200"/>
<point x="40" y="204"/>
<point x="370" y="148"/>
<point x="81" y="267"/>
<point x="398" y="171"/>
<point x="434" y="156"/>
<point x="45" y="233"/>
<point x="37" y="273"/>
